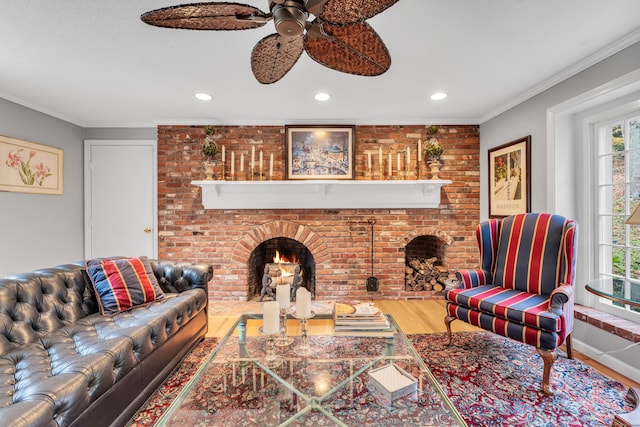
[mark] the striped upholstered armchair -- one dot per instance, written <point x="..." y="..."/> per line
<point x="524" y="287"/>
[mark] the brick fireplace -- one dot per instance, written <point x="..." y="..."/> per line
<point x="338" y="241"/>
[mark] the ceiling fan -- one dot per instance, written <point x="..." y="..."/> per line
<point x="338" y="37"/>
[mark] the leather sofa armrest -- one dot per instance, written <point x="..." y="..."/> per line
<point x="182" y="276"/>
<point x="473" y="278"/>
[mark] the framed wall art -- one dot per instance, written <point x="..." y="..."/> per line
<point x="27" y="167"/>
<point x="510" y="178"/>
<point x="320" y="152"/>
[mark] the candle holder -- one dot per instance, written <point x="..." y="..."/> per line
<point x="381" y="172"/>
<point x="224" y="178"/>
<point x="304" y="349"/>
<point x="261" y="175"/>
<point x="271" y="360"/>
<point x="283" y="340"/>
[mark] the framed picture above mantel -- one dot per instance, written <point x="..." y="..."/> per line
<point x="320" y="152"/>
<point x="510" y="178"/>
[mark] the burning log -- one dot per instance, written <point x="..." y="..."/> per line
<point x="424" y="275"/>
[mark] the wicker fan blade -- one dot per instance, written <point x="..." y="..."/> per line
<point x="347" y="12"/>
<point x="207" y="16"/>
<point x="356" y="49"/>
<point x="273" y="57"/>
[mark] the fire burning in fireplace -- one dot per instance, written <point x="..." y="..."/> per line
<point x="287" y="260"/>
<point x="283" y="269"/>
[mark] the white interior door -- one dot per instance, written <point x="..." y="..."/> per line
<point x="120" y="198"/>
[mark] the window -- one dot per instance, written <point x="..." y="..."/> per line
<point x="618" y="194"/>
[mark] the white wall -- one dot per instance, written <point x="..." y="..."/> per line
<point x="38" y="231"/>
<point x="42" y="230"/>
<point x="558" y="175"/>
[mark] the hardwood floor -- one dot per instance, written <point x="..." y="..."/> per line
<point x="413" y="316"/>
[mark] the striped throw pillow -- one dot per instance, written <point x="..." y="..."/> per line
<point x="123" y="283"/>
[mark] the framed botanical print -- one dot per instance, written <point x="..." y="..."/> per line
<point x="27" y="167"/>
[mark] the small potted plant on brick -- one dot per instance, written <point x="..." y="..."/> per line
<point x="433" y="150"/>
<point x="210" y="150"/>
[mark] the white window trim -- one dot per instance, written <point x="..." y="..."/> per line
<point x="594" y="124"/>
<point x="570" y="136"/>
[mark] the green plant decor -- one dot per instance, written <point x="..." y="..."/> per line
<point x="433" y="149"/>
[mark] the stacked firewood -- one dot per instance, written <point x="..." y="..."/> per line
<point x="424" y="275"/>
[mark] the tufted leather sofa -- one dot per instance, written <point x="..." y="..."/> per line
<point x="62" y="363"/>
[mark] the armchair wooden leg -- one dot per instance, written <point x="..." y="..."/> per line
<point x="447" y="322"/>
<point x="548" y="357"/>
<point x="567" y="342"/>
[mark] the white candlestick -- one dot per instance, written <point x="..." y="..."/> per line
<point x="283" y="296"/>
<point x="380" y="155"/>
<point x="271" y="318"/>
<point x="303" y="303"/>
<point x="233" y="163"/>
<point x="369" y="159"/>
<point x="260" y="159"/>
<point x="398" y="161"/>
<point x="419" y="150"/>
<point x="223" y="158"/>
<point x="271" y="165"/>
<point x="241" y="162"/>
<point x="253" y="157"/>
<point x="408" y="156"/>
<point x="390" y="165"/>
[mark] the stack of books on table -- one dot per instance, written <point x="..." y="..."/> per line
<point x="360" y="320"/>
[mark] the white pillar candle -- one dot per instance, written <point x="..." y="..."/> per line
<point x="270" y="318"/>
<point x="283" y="296"/>
<point x="261" y="159"/>
<point x="380" y="155"/>
<point x="419" y="150"/>
<point x="390" y="165"/>
<point x="303" y="303"/>
<point x="233" y="165"/>
<point x="241" y="162"/>
<point x="253" y="157"/>
<point x="369" y="159"/>
<point x="271" y="165"/>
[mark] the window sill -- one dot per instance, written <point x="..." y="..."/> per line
<point x="623" y="328"/>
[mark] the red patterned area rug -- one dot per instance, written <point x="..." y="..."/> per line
<point x="492" y="381"/>
<point x="159" y="401"/>
<point x="495" y="381"/>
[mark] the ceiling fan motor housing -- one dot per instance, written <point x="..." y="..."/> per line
<point x="289" y="18"/>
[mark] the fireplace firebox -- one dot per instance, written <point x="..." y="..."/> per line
<point x="281" y="255"/>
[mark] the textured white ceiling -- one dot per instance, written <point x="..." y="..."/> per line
<point x="94" y="63"/>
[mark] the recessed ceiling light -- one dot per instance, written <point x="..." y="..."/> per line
<point x="438" y="96"/>
<point x="322" y="96"/>
<point x="203" y="96"/>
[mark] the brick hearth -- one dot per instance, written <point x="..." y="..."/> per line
<point x="339" y="240"/>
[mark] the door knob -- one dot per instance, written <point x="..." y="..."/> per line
<point x="147" y="230"/>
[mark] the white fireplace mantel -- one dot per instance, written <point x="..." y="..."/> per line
<point x="325" y="194"/>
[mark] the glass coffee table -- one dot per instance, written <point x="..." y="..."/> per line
<point x="237" y="386"/>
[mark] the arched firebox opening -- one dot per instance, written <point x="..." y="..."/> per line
<point x="424" y="258"/>
<point x="282" y="255"/>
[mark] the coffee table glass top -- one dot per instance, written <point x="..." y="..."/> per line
<point x="236" y="386"/>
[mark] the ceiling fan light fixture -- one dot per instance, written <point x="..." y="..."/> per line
<point x="289" y="18"/>
<point x="203" y="96"/>
<point x="322" y="96"/>
<point x="438" y="96"/>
